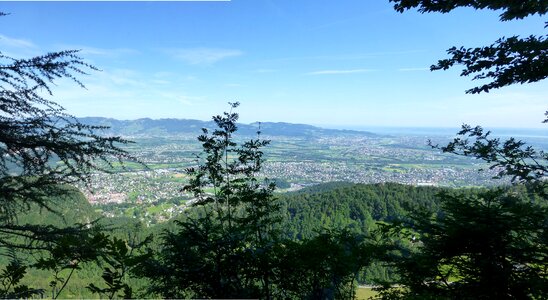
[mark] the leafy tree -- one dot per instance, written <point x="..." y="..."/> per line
<point x="10" y="279"/>
<point x="323" y="267"/>
<point x="225" y="248"/>
<point x="511" y="9"/>
<point x="67" y="252"/>
<point x="510" y="158"/>
<point x="230" y="244"/>
<point x="491" y="245"/>
<point x="508" y="60"/>
<point x="119" y="258"/>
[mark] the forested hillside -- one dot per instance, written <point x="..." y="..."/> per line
<point x="70" y="211"/>
<point x="307" y="214"/>
<point x="354" y="206"/>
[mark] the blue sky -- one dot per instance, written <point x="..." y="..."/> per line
<point x="337" y="63"/>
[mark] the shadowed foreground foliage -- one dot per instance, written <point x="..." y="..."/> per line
<point x="492" y="245"/>
<point x="41" y="149"/>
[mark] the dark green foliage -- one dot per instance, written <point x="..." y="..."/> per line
<point x="37" y="225"/>
<point x="59" y="242"/>
<point x="356" y="206"/>
<point x="40" y="145"/>
<point x="224" y="249"/>
<point x="324" y="187"/>
<point x="505" y="62"/>
<point x="78" y="250"/>
<point x="67" y="254"/>
<point x="119" y="259"/>
<point x="281" y="183"/>
<point x="231" y="244"/>
<point x="511" y="9"/>
<point x="10" y="279"/>
<point x="511" y="157"/>
<point x="41" y="149"/>
<point x="491" y="245"/>
<point x="199" y="261"/>
<point x="504" y="230"/>
<point x="323" y="267"/>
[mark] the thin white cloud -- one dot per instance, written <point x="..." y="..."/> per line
<point x="126" y="93"/>
<point x="6" y="41"/>
<point x="94" y="51"/>
<point x="413" y="69"/>
<point x="189" y="101"/>
<point x="349" y="56"/>
<point x="165" y="76"/>
<point x="337" y="72"/>
<point x="204" y="56"/>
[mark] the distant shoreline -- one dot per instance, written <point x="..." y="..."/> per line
<point x="446" y="131"/>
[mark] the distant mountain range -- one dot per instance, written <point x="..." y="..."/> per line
<point x="173" y="127"/>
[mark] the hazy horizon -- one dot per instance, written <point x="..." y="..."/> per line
<point x="499" y="131"/>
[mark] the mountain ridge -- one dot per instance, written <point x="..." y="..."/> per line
<point x="173" y="126"/>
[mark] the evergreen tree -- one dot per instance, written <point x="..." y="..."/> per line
<point x="41" y="149"/>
